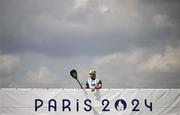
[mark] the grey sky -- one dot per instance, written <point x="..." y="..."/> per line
<point x="131" y="43"/>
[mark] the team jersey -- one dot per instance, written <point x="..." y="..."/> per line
<point x="93" y="83"/>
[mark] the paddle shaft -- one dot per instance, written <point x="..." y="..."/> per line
<point x="79" y="84"/>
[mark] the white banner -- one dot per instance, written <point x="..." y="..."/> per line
<point x="85" y="102"/>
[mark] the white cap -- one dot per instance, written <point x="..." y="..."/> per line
<point x="92" y="72"/>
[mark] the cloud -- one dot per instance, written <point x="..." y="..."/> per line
<point x="167" y="62"/>
<point x="40" y="78"/>
<point x="8" y="64"/>
<point x="80" y="3"/>
<point x="138" y="68"/>
<point x="43" y="74"/>
<point x="86" y="27"/>
<point x="161" y="21"/>
<point x="9" y="67"/>
<point x="132" y="43"/>
<point x="141" y="69"/>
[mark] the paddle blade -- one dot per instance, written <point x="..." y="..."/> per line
<point x="73" y="73"/>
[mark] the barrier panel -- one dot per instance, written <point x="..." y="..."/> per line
<point x="84" y="102"/>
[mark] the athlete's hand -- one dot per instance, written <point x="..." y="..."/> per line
<point x="92" y="90"/>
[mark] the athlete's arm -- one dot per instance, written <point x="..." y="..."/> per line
<point x="99" y="85"/>
<point x="87" y="85"/>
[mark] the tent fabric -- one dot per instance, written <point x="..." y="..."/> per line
<point x="101" y="102"/>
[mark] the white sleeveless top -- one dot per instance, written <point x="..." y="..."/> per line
<point x="93" y="83"/>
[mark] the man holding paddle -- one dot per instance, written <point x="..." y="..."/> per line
<point x="93" y="83"/>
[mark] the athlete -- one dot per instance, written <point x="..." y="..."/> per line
<point x="93" y="83"/>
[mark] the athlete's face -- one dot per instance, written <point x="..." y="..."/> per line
<point x="93" y="76"/>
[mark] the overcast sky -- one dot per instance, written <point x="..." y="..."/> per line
<point x="131" y="43"/>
